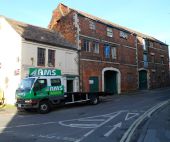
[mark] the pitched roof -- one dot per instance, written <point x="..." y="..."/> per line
<point x="39" y="34"/>
<point x="115" y="25"/>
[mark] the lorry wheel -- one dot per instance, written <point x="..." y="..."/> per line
<point x="94" y="101"/>
<point x="44" y="107"/>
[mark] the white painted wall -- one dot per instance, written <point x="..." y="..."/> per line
<point x="10" y="47"/>
<point x="65" y="59"/>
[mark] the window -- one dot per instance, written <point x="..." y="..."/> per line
<point x="162" y="60"/>
<point x="129" y="77"/>
<point x="145" y="57"/>
<point x="113" y="51"/>
<point x="144" y="44"/>
<point x="123" y="35"/>
<point x="96" y="47"/>
<point x="106" y="51"/>
<point x="51" y="58"/>
<point x="86" y="46"/>
<point x="55" y="82"/>
<point x="152" y="58"/>
<point x="109" y="32"/>
<point x="40" y="84"/>
<point x="150" y="43"/>
<point x="92" y="25"/>
<point x="41" y="57"/>
<point x="153" y="76"/>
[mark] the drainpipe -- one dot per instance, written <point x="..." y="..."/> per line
<point x="137" y="64"/>
<point x="76" y="24"/>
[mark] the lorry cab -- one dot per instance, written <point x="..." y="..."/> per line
<point x="40" y="91"/>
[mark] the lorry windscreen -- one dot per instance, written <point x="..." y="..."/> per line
<point x="26" y="84"/>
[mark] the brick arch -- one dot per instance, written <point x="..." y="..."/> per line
<point x="118" y="77"/>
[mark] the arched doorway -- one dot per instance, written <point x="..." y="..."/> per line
<point x="143" y="80"/>
<point x="111" y="80"/>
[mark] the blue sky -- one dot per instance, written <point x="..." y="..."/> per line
<point x="151" y="17"/>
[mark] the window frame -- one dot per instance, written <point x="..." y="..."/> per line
<point x="123" y="35"/>
<point x="51" y="58"/>
<point x="144" y="46"/>
<point x="96" y="47"/>
<point x="107" y="56"/>
<point x="86" y="45"/>
<point x="152" y="58"/>
<point x="41" y="56"/>
<point x="145" y="59"/>
<point x="92" y="25"/>
<point x="109" y="31"/>
<point x="162" y="60"/>
<point x="40" y="86"/>
<point x="113" y="53"/>
<point x="52" y="84"/>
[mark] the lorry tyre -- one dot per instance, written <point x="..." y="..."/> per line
<point x="44" y="107"/>
<point x="94" y="100"/>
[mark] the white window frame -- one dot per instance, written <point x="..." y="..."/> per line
<point x="144" y="45"/>
<point x="96" y="47"/>
<point x="150" y="44"/>
<point x="92" y="25"/>
<point x="114" y="52"/>
<point x="123" y="34"/>
<point x="109" y="32"/>
<point x="87" y="46"/>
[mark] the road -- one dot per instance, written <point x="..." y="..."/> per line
<point x="109" y="121"/>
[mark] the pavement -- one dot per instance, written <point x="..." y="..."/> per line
<point x="156" y="128"/>
<point x="7" y="109"/>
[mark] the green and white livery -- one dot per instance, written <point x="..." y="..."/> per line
<point x="40" y="86"/>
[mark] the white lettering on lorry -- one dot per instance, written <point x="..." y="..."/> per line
<point x="56" y="88"/>
<point x="44" y="72"/>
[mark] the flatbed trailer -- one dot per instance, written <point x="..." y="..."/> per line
<point x="44" y="105"/>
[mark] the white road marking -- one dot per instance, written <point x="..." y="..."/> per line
<point x="118" y="125"/>
<point x="84" y="125"/>
<point x="129" y="133"/>
<point x="58" y="138"/>
<point x="28" y="125"/>
<point x="91" y="120"/>
<point x="130" y="116"/>
<point x="99" y="118"/>
<point x="89" y="133"/>
<point x="100" y="125"/>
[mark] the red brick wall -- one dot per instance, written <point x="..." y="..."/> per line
<point x="126" y="52"/>
<point x="158" y="72"/>
<point x="88" y="69"/>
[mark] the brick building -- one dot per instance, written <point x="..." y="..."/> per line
<point x="111" y="57"/>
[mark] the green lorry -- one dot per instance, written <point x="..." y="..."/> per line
<point x="44" y="89"/>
